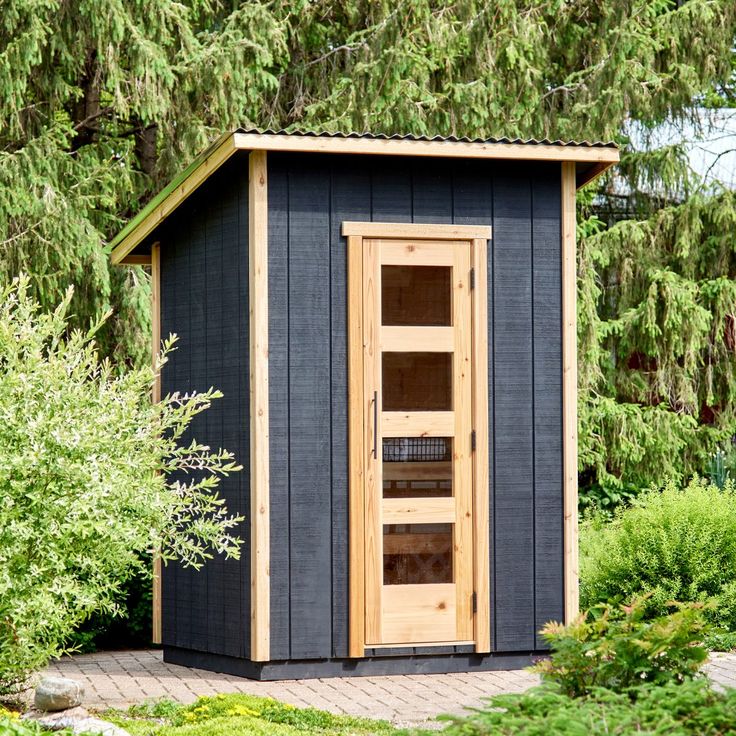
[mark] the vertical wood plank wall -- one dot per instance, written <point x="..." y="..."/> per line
<point x="204" y="300"/>
<point x="548" y="441"/>
<point x="309" y="198"/>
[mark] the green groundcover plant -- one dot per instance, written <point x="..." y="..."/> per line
<point x="665" y="710"/>
<point x="229" y="715"/>
<point x="619" y="648"/>
<point x="670" y="544"/>
<point x="93" y="477"/>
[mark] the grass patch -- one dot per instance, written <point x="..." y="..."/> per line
<point x="236" y="714"/>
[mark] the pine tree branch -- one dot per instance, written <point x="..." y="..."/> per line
<point x="91" y="118"/>
<point x="19" y="235"/>
<point x="715" y="162"/>
<point x="349" y="48"/>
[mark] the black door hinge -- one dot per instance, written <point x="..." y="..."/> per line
<point x="472" y="279"/>
<point x="472" y="441"/>
<point x="475" y="602"/>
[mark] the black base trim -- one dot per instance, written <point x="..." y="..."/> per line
<point x="369" y="666"/>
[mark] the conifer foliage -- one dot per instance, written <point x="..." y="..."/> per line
<point x="657" y="327"/>
<point x="101" y="103"/>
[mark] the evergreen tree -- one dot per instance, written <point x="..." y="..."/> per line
<point x="100" y="103"/>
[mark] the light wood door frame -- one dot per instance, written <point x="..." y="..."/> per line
<point x="362" y="372"/>
<point x="409" y="614"/>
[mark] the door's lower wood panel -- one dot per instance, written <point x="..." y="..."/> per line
<point x="418" y="510"/>
<point x="418" y="424"/>
<point x="413" y="614"/>
<point x="417" y="339"/>
<point x="416" y="252"/>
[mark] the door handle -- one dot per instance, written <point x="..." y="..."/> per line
<point x="375" y="425"/>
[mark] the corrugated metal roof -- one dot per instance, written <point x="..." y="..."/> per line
<point x="436" y="138"/>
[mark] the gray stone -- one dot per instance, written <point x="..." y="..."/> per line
<point x="34" y="714"/>
<point x="77" y="720"/>
<point x="58" y="693"/>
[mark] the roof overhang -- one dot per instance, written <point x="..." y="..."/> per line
<point x="591" y="160"/>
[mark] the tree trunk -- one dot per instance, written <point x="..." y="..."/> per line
<point x="145" y="148"/>
<point x="86" y="110"/>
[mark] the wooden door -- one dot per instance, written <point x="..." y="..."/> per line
<point x="418" y="441"/>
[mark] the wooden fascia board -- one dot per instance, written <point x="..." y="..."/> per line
<point x="169" y="198"/>
<point x="441" y="149"/>
<point x="135" y="260"/>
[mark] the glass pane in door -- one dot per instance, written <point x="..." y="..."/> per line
<point x="416" y="295"/>
<point x="417" y="381"/>
<point x="417" y="467"/>
<point x="417" y="554"/>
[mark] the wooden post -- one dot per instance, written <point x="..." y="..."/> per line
<point x="259" y="431"/>
<point x="570" y="391"/>
<point x="156" y="397"/>
<point x="481" y="479"/>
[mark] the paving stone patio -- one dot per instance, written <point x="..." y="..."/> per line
<point x="118" y="679"/>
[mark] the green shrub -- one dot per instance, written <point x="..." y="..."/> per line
<point x="613" y="671"/>
<point x="129" y="628"/>
<point x="604" y="500"/>
<point x="93" y="477"/>
<point x="672" y="544"/>
<point x="615" y="647"/>
<point x="690" y="708"/>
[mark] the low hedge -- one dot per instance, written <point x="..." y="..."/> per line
<point x="670" y="544"/>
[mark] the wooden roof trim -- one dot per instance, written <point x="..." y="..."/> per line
<point x="168" y="199"/>
<point x="136" y="260"/>
<point x="443" y="149"/>
<point x="417" y="231"/>
<point x="165" y="202"/>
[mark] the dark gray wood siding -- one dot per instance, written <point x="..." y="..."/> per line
<point x="309" y="197"/>
<point x="204" y="300"/>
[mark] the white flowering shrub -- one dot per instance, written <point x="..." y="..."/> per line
<point x="93" y="477"/>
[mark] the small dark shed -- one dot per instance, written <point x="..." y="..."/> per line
<point x="392" y="323"/>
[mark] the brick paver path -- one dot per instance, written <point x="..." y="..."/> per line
<point x="118" y="679"/>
